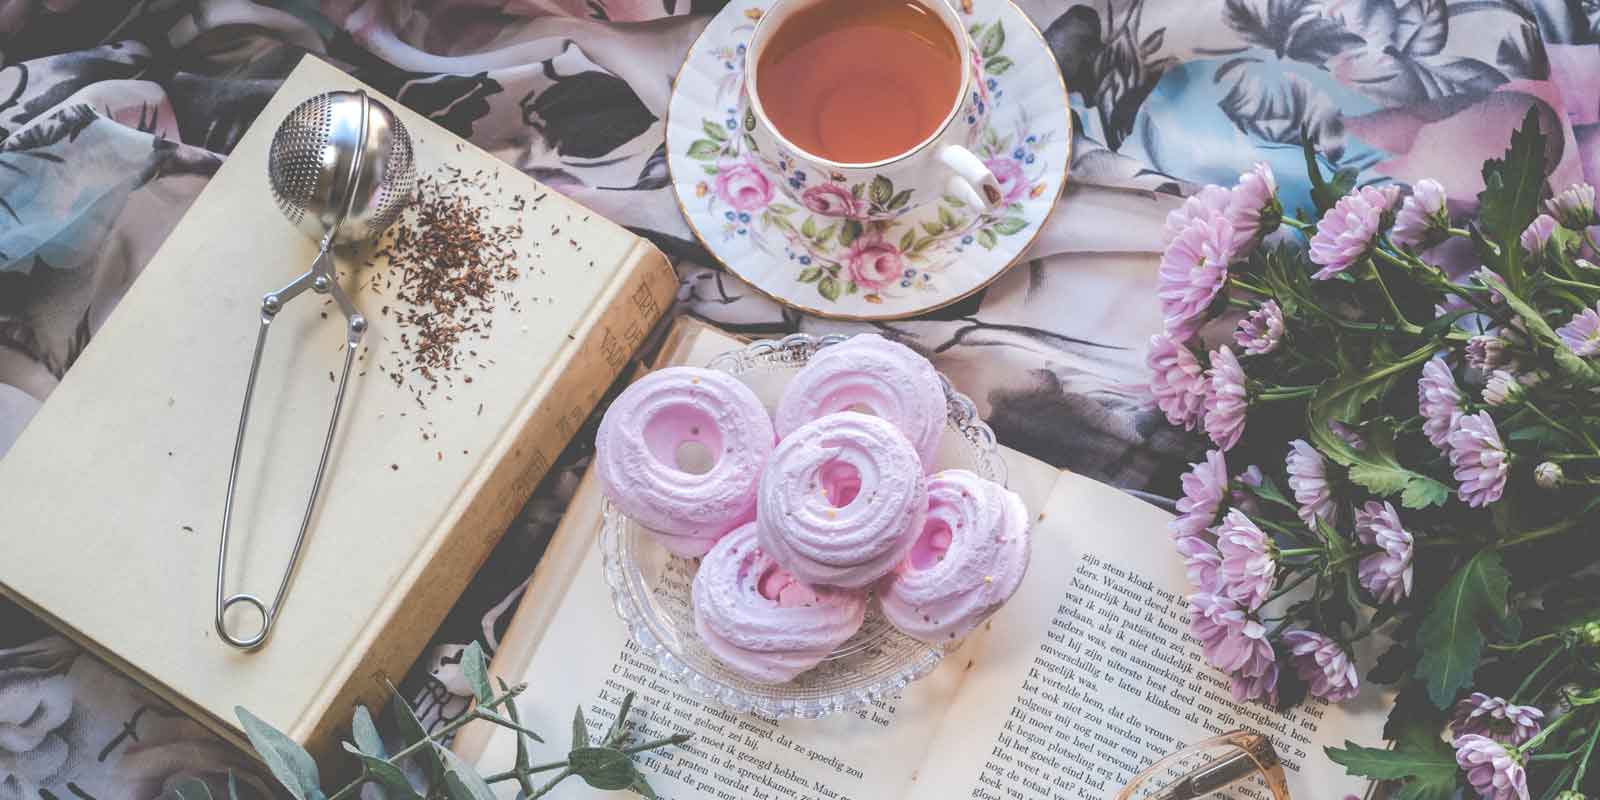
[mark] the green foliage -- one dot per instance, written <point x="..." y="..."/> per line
<point x="1513" y="183"/>
<point x="288" y="762"/>
<point x="1452" y="635"/>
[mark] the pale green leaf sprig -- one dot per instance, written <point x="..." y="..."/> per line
<point x="604" y="764"/>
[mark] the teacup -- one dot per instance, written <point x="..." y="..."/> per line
<point x="941" y="164"/>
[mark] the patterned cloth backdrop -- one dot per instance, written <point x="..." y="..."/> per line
<point x="113" y="115"/>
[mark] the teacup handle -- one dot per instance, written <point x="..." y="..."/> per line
<point x="972" y="181"/>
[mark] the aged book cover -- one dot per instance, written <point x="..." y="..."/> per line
<point x="114" y="492"/>
<point x="1083" y="678"/>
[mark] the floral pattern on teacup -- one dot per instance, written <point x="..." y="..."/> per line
<point x="866" y="237"/>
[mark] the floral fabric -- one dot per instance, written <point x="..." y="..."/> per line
<point x="113" y="115"/>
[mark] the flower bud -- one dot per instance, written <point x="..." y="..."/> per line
<point x="1589" y="633"/>
<point x="1547" y="475"/>
<point x="1574" y="206"/>
<point x="1502" y="389"/>
<point x="1570" y="794"/>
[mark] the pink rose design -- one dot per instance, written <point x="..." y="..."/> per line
<point x="742" y="186"/>
<point x="873" y="263"/>
<point x="1012" y="182"/>
<point x="833" y="200"/>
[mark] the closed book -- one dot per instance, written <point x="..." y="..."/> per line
<point x="114" y="493"/>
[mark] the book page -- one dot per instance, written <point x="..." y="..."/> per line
<point x="1089" y="674"/>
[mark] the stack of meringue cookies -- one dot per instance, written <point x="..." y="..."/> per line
<point x="801" y="518"/>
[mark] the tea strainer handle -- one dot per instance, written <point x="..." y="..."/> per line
<point x="320" y="279"/>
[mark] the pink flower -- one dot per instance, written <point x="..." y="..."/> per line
<point x="1537" y="234"/>
<point x="1438" y="401"/>
<point x="1308" y="478"/>
<point x="1486" y="351"/>
<point x="1228" y="400"/>
<point x="1203" y="488"/>
<point x="1350" y="435"/>
<point x="1177" y="381"/>
<point x="1421" y="216"/>
<point x="1253" y="206"/>
<point x="1261" y="330"/>
<point x="833" y="200"/>
<point x="1494" y="773"/>
<point x="1013" y="184"/>
<point x="1574" y="206"/>
<point x="873" y="263"/>
<point x="1582" y="334"/>
<point x="1201" y="562"/>
<point x="1251" y="478"/>
<point x="1229" y="638"/>
<point x="1208" y="203"/>
<point x="1324" y="665"/>
<point x="1503" y="388"/>
<point x="1258" y="681"/>
<point x="1386" y="573"/>
<point x="1494" y="718"/>
<point x="1345" y="233"/>
<point x="742" y="185"/>
<point x="1194" y="268"/>
<point x="1249" y="563"/>
<point x="1548" y="475"/>
<point x="1479" y="457"/>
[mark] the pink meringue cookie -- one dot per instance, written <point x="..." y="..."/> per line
<point x="762" y="622"/>
<point x="636" y="455"/>
<point x="967" y="563"/>
<point x="868" y="371"/>
<point x="842" y="500"/>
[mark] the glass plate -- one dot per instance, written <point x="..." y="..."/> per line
<point x="650" y="587"/>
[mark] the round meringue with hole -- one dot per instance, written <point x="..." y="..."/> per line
<point x="967" y="562"/>
<point x="871" y="374"/>
<point x="760" y="620"/>
<point x="842" y="500"/>
<point x="653" y="433"/>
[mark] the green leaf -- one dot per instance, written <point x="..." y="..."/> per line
<point x="749" y="120"/>
<point x="809" y="228"/>
<point x="476" y="669"/>
<point x="900" y="199"/>
<point x="714" y="131"/>
<point x="289" y="762"/>
<point x="644" y="788"/>
<point x="190" y="789"/>
<point x="953" y="201"/>
<point x="750" y="143"/>
<point x="411" y="732"/>
<point x="1513" y="183"/>
<point x="618" y="728"/>
<point x="987" y="238"/>
<point x="603" y="767"/>
<point x="782" y="208"/>
<point x="1376" y="467"/>
<point x="1371" y="762"/>
<point x="997" y="65"/>
<point x="827" y="233"/>
<point x="463" y="782"/>
<point x="580" y="731"/>
<point x="829" y="288"/>
<point x="1575" y="367"/>
<point x="993" y="39"/>
<point x="850" y="231"/>
<point x="810" y="274"/>
<point x="932" y="228"/>
<point x="704" y="149"/>
<point x="1010" y="225"/>
<point x="1451" y="637"/>
<point x="1323" y="193"/>
<point x="233" y="786"/>
<point x="850" y="287"/>
<point x="882" y="190"/>
<point x="387" y="775"/>
<point x="947" y="218"/>
<point x="365" y="732"/>
<point x="709" y="170"/>
<point x="857" y="191"/>
<point x="909" y="239"/>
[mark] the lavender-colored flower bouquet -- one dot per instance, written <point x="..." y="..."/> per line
<point x="1400" y="453"/>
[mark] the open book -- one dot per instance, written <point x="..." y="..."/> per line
<point x="1086" y="676"/>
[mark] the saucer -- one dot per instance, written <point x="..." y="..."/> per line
<point x="898" y="257"/>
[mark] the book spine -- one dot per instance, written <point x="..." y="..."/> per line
<point x="601" y="344"/>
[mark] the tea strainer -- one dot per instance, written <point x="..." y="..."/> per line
<point x="341" y="169"/>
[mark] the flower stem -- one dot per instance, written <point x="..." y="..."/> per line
<point x="1291" y="552"/>
<point x="1290" y="586"/>
<point x="545" y="789"/>
<point x="1285" y="393"/>
<point x="1517" y="648"/>
<point x="1538" y="739"/>
<point x="1528" y="681"/>
<point x="1249" y="287"/>
<point x="1462" y="232"/>
<point x="1297" y="224"/>
<point x="1583" y="761"/>
<point x="1539" y="533"/>
<point x="1571" y="283"/>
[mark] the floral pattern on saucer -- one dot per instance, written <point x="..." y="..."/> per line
<point x="866" y="249"/>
